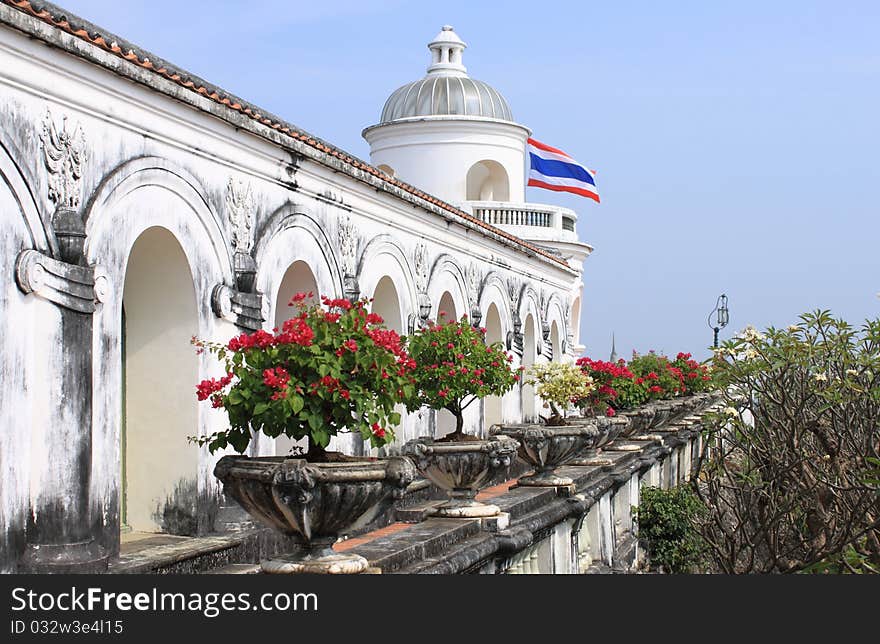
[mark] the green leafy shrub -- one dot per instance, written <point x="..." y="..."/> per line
<point x="455" y="368"/>
<point x="666" y="522"/>
<point x="326" y="371"/>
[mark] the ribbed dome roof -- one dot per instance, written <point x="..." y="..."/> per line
<point x="437" y="95"/>
<point x="446" y="90"/>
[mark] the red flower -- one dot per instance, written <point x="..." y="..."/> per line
<point x="345" y="394"/>
<point x="351" y="345"/>
<point x="216" y="401"/>
<point x="609" y="412"/>
<point x="655" y="389"/>
<point x="276" y="378"/>
<point x="652" y="376"/>
<point x="299" y="297"/>
<point x="378" y="432"/>
<point x="374" y="318"/>
<point x="443" y="393"/>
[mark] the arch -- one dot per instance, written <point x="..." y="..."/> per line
<point x="576" y="320"/>
<point x="159" y="411"/>
<point x="382" y="257"/>
<point x="386" y="303"/>
<point x="141" y="194"/>
<point x="144" y="172"/>
<point x="446" y="276"/>
<point x="298" y="278"/>
<point x="555" y="315"/>
<point x="530" y="355"/>
<point x="446" y="309"/>
<point x="289" y="237"/>
<point x="555" y="342"/>
<point x="385" y="275"/>
<point x="492" y="405"/>
<point x="41" y="235"/>
<point x="494" y="291"/>
<point x="487" y="180"/>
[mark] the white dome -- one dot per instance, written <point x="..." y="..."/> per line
<point x="446" y="90"/>
<point x="437" y="95"/>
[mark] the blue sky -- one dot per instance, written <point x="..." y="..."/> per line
<point x="736" y="142"/>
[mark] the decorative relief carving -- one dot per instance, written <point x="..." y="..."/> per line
<point x="420" y="268"/>
<point x="515" y="337"/>
<point x="246" y="310"/>
<point x="545" y="315"/>
<point x="67" y="285"/>
<point x="474" y="277"/>
<point x="349" y="240"/>
<point x="64" y="154"/>
<point x="240" y="201"/>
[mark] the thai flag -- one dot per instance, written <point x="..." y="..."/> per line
<point x="554" y="170"/>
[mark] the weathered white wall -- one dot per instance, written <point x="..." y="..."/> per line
<point x="157" y="161"/>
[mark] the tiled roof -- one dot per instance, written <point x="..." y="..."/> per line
<point x="84" y="30"/>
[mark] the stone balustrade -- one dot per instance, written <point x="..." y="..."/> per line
<point x="583" y="528"/>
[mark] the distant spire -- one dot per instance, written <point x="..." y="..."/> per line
<point x="613" y="357"/>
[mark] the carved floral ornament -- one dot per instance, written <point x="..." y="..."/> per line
<point x="64" y="153"/>
<point x="420" y="268"/>
<point x="240" y="201"/>
<point x="348" y="245"/>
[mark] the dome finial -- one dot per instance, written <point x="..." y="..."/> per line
<point x="446" y="50"/>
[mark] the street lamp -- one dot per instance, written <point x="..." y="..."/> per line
<point x="722" y="316"/>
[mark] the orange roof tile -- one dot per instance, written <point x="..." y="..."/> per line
<point x="98" y="40"/>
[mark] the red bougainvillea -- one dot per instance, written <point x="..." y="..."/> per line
<point x="329" y="369"/>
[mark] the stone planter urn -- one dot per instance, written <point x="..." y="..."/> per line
<point x="607" y="430"/>
<point x="547" y="447"/>
<point x="640" y="420"/>
<point x="462" y="468"/>
<point x="314" y="503"/>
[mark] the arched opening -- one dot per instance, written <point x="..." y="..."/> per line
<point x="298" y="278"/>
<point x="159" y="316"/>
<point x="446" y="312"/>
<point x="492" y="408"/>
<point x="446" y="309"/>
<point x="386" y="303"/>
<point x="387" y="169"/>
<point x="576" y="320"/>
<point x="528" y="359"/>
<point x="488" y="181"/>
<point x="556" y="353"/>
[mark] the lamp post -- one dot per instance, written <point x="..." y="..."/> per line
<point x="722" y="316"/>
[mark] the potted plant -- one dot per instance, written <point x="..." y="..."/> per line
<point x="331" y="369"/>
<point x="555" y="443"/>
<point x="456" y="368"/>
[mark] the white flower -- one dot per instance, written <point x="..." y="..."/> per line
<point x="731" y="411"/>
<point x="852" y="372"/>
<point x="821" y="377"/>
<point x="794" y="328"/>
<point x="751" y="354"/>
<point x="750" y="334"/>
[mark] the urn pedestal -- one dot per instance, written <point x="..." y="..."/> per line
<point x="546" y="448"/>
<point x="314" y="503"/>
<point x="461" y="468"/>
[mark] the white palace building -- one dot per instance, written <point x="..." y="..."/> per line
<point x="142" y="205"/>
